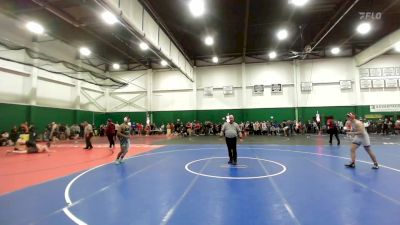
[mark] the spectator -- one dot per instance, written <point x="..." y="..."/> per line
<point x="14" y="135"/>
<point x="88" y="133"/>
<point x="332" y="130"/>
<point x="5" y="139"/>
<point x="110" y="132"/>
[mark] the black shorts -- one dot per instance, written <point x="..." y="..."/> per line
<point x="33" y="149"/>
<point x="30" y="143"/>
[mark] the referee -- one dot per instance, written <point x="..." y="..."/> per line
<point x="231" y="131"/>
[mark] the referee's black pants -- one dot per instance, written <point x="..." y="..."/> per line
<point x="88" y="142"/>
<point x="231" y="143"/>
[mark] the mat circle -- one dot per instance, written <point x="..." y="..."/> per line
<point x="187" y="167"/>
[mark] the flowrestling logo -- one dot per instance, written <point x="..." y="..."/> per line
<point x="370" y="15"/>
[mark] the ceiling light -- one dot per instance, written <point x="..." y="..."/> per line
<point x="85" y="51"/>
<point x="335" y="50"/>
<point x="143" y="46"/>
<point x="164" y="63"/>
<point x="116" y="66"/>
<point x="209" y="40"/>
<point x="282" y="34"/>
<point x="272" y="55"/>
<point x="215" y="59"/>
<point x="397" y="47"/>
<point x="35" y="27"/>
<point x="298" y="2"/>
<point x="109" y="18"/>
<point x="196" y="7"/>
<point x="364" y="28"/>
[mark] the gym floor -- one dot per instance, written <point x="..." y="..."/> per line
<point x="186" y="180"/>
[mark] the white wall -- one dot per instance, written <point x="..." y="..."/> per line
<point x="27" y="85"/>
<point x="170" y="80"/>
<point x="218" y="77"/>
<point x="219" y="100"/>
<point x="384" y="95"/>
<point x="325" y="75"/>
<point x="12" y="87"/>
<point x="170" y="90"/>
<point x="267" y="74"/>
<point x="133" y="97"/>
<point x="54" y="94"/>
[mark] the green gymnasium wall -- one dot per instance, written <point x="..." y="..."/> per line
<point x="217" y="115"/>
<point x="279" y="114"/>
<point x="11" y="114"/>
<point x="339" y="112"/>
<point x="163" y="117"/>
<point x="138" y="117"/>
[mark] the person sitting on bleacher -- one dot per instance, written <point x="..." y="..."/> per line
<point x="397" y="126"/>
<point x="75" y="130"/>
<point x="31" y="147"/>
<point x="22" y="139"/>
<point x="29" y="140"/>
<point x="54" y="132"/>
<point x="14" y="135"/>
<point x="24" y="128"/>
<point x="5" y="139"/>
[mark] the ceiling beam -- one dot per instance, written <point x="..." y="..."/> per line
<point x="330" y="21"/>
<point x="27" y="11"/>
<point x="65" y="16"/>
<point x="135" y="67"/>
<point x="377" y="49"/>
<point x="160" y="22"/>
<point x="228" y="60"/>
<point x="319" y="37"/>
<point x="263" y="58"/>
<point x="69" y="19"/>
<point x="113" y="46"/>
<point x="125" y="22"/>
<point x="246" y="24"/>
<point x="75" y="61"/>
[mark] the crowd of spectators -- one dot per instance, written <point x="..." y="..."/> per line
<point x="51" y="132"/>
<point x="55" y="131"/>
<point x="283" y="128"/>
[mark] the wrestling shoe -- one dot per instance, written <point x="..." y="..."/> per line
<point x="375" y="166"/>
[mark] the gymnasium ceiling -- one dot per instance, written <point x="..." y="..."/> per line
<point x="242" y="29"/>
<point x="248" y="27"/>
